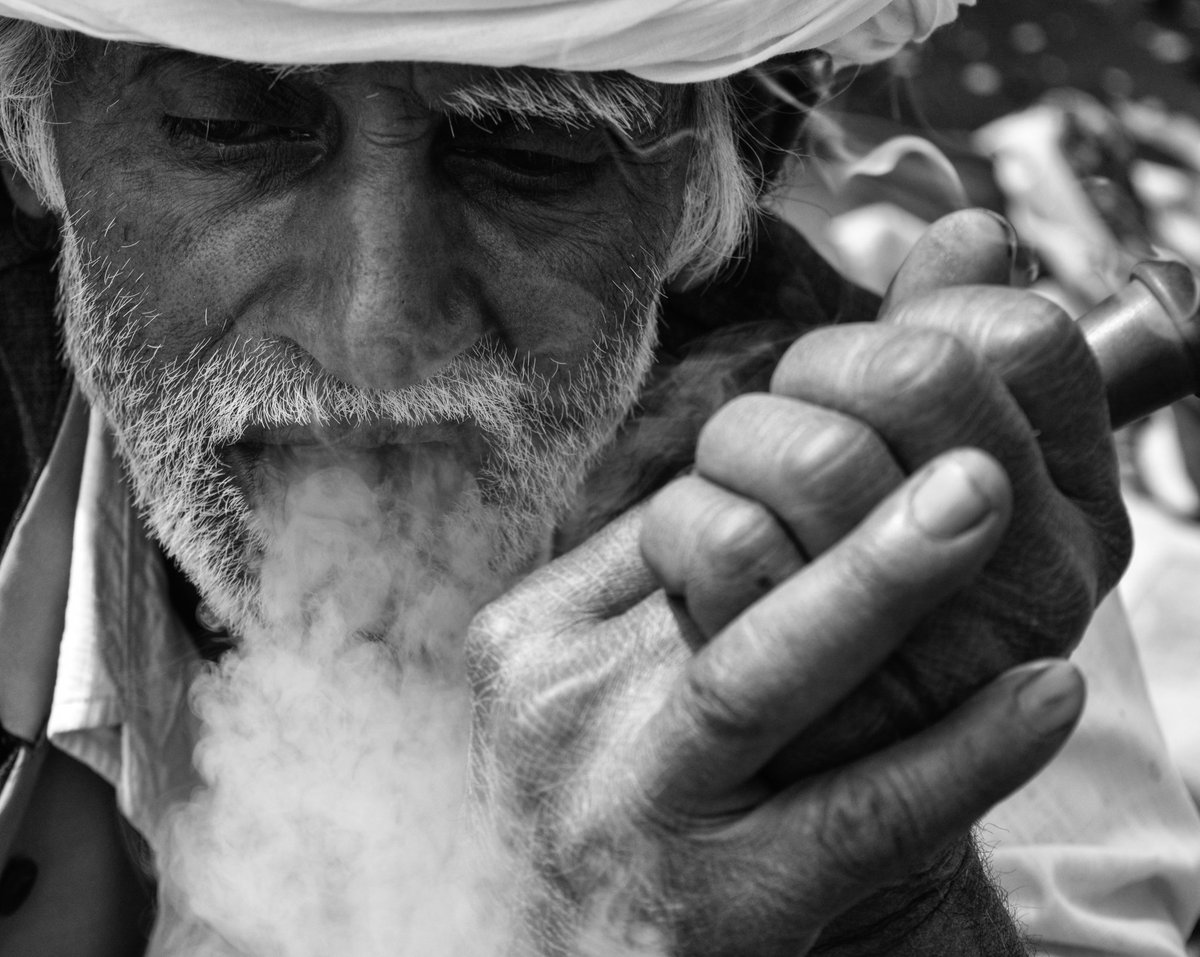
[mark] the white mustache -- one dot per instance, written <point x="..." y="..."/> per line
<point x="284" y="389"/>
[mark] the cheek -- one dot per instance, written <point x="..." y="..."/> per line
<point x="564" y="280"/>
<point x="189" y="268"/>
<point x="181" y="253"/>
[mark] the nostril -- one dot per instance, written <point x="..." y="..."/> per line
<point x="395" y="360"/>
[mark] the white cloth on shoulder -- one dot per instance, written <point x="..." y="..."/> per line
<point x="671" y="41"/>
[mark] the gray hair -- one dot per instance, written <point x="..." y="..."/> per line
<point x="719" y="199"/>
<point x="29" y="59"/>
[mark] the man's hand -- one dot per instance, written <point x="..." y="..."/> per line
<point x="853" y="410"/>
<point x="708" y="767"/>
<point x="628" y="772"/>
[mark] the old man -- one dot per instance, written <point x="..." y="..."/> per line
<point x="357" y="300"/>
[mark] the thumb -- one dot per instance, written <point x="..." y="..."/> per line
<point x="896" y="808"/>
<point x="966" y="248"/>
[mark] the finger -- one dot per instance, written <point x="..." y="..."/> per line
<point x="797" y="652"/>
<point x="968" y="247"/>
<point x="985" y="367"/>
<point x="819" y="470"/>
<point x="884" y="816"/>
<point x="715" y="550"/>
<point x="921" y="390"/>
<point x="1040" y="354"/>
<point x="1035" y="347"/>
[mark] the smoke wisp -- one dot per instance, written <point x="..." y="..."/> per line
<point x="335" y="815"/>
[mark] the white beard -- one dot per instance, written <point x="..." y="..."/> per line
<point x="171" y="419"/>
<point x="334" y="817"/>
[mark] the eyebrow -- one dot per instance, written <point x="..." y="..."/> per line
<point x="631" y="106"/>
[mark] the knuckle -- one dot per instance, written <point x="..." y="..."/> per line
<point x="1043" y="341"/>
<point x="924" y="365"/>
<point x="667" y="529"/>
<point x="483" y="641"/>
<point x="793" y="363"/>
<point x="715" y="712"/>
<point x="737" y="537"/>
<point x="826" y="450"/>
<point x="487" y="662"/>
<point x="739" y="428"/>
<point x="734" y="417"/>
<point x="872" y="824"/>
<point x="1037" y="326"/>
<point x="497" y="650"/>
<point x="497" y="625"/>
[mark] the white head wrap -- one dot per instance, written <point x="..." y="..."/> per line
<point x="672" y="41"/>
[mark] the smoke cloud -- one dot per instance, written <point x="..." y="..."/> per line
<point x="335" y="816"/>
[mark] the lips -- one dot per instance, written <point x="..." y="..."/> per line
<point x="407" y="460"/>
<point x="370" y="435"/>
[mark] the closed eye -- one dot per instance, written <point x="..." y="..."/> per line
<point x="533" y="163"/>
<point x="232" y="132"/>
<point x="525" y="156"/>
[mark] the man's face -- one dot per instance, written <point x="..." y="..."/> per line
<point x="404" y="268"/>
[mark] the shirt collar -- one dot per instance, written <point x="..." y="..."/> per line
<point x="126" y="661"/>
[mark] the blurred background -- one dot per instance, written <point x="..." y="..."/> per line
<point x="1080" y="121"/>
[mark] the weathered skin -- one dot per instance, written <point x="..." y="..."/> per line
<point x="787" y="614"/>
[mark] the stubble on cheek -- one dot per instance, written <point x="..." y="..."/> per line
<point x="151" y="231"/>
<point x="171" y="260"/>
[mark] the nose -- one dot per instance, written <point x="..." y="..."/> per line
<point x="390" y="295"/>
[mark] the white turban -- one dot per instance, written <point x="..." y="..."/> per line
<point x="672" y="41"/>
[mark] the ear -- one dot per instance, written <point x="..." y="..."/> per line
<point x="23" y="195"/>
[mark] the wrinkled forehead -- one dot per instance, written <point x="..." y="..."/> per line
<point x="634" y="107"/>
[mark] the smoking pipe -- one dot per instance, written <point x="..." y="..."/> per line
<point x="1146" y="338"/>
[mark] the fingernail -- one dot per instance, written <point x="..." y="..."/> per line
<point x="1010" y="234"/>
<point x="948" y="501"/>
<point x="1051" y="695"/>
<point x="1026" y="267"/>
